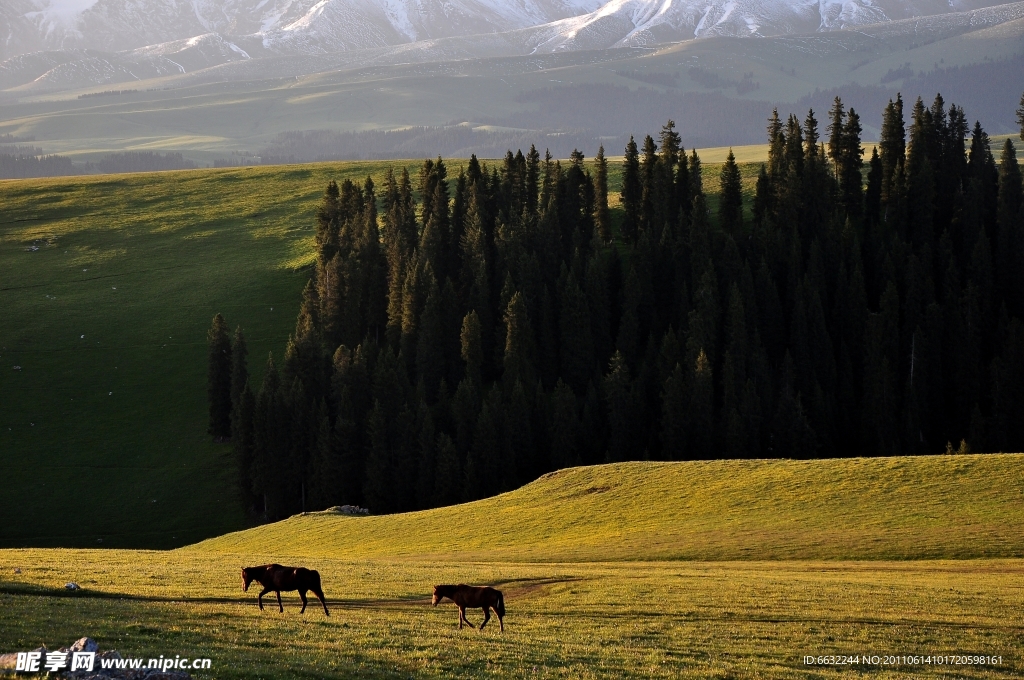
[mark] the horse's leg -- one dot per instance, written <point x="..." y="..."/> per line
<point x="487" y="616"/>
<point x="260" y="598"/>
<point x="460" y="618"/>
<point x="302" y="596"/>
<point x="500" y="621"/>
<point x="320" y="596"/>
<point x="462" y="611"/>
<point x="279" y="605"/>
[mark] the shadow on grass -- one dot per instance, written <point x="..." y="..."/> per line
<point x="524" y="586"/>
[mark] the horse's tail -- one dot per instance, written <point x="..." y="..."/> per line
<point x="316" y="578"/>
<point x="501" y="604"/>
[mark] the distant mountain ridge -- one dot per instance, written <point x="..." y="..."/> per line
<point x="55" y="45"/>
<point x="328" y="26"/>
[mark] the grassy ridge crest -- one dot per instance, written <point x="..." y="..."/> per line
<point x="924" y="507"/>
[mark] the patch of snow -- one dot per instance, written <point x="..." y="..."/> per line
<point x="239" y="50"/>
<point x="60" y="12"/>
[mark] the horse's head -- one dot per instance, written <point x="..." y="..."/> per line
<point x="247" y="578"/>
<point x="437" y="596"/>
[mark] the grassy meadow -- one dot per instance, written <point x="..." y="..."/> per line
<point x="107" y="286"/>
<point x="583" y="620"/>
<point x="592" y="576"/>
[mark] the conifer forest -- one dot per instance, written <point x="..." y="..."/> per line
<point x="511" y="324"/>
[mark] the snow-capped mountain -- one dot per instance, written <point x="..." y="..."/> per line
<point x="61" y="44"/>
<point x="300" y="25"/>
<point x="624" y="23"/>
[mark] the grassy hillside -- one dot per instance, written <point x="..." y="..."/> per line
<point x="107" y="288"/>
<point x="867" y="508"/>
<point x="583" y="558"/>
<point x="102" y="430"/>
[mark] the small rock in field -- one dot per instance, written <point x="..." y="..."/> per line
<point x="85" y="644"/>
<point x="71" y="585"/>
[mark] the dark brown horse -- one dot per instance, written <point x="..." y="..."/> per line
<point x="277" y="578"/>
<point x="463" y="596"/>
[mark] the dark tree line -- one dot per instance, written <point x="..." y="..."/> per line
<point x="19" y="162"/>
<point x="505" y="327"/>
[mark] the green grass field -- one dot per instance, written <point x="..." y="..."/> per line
<point x="108" y="319"/>
<point x="593" y="583"/>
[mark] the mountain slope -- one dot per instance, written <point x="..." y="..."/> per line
<point x="863" y="508"/>
<point x="327" y="26"/>
<point x="290" y="25"/>
<point x="289" y="51"/>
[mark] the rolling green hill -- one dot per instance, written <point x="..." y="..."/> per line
<point x="602" y="573"/>
<point x="926" y="507"/>
<point x="107" y="287"/>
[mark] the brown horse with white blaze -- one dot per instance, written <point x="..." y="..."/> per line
<point x="277" y="578"/>
<point x="463" y="596"/>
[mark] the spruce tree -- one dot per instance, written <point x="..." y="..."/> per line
<point x="835" y="128"/>
<point x="270" y="443"/>
<point x="762" y="198"/>
<point x="631" y="194"/>
<point x="892" y="145"/>
<point x="730" y="204"/>
<point x="519" y="353"/>
<point x="1010" y="234"/>
<point x="776" y="146"/>
<point x="472" y="348"/>
<point x="1020" y="117"/>
<point x="243" y="442"/>
<point x="239" y="371"/>
<point x="602" y="217"/>
<point x="649" y="197"/>
<point x="430" y="346"/>
<point x="218" y="386"/>
<point x="873" y="195"/>
<point x="851" y="181"/>
<point x="304" y="357"/>
<point x="696" y="179"/>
